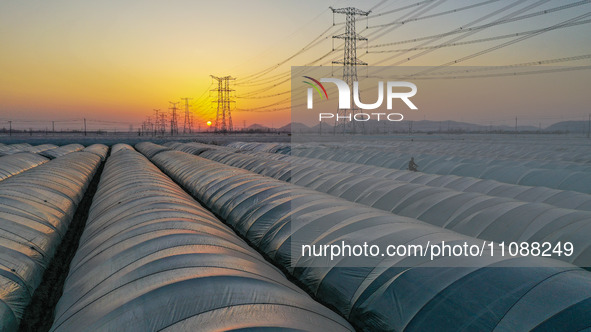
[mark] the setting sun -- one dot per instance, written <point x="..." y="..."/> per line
<point x="208" y="123"/>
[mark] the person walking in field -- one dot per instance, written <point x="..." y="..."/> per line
<point x="412" y="166"/>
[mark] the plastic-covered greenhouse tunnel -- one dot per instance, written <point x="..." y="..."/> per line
<point x="200" y="237"/>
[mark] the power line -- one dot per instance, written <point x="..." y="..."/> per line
<point x="482" y="40"/>
<point x="245" y="77"/>
<point x="541" y="71"/>
<point x="467" y="27"/>
<point x="471" y="56"/>
<point x="378" y="5"/>
<point x="417" y="4"/>
<point x="420" y="10"/>
<point x="469" y="32"/>
<point x="267" y="106"/>
<point x="451" y="11"/>
<point x="516" y="65"/>
<point x="265" y="96"/>
<point x="302" y="50"/>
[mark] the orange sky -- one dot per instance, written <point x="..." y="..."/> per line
<point x="117" y="61"/>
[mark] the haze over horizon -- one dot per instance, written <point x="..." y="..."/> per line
<point x="113" y="62"/>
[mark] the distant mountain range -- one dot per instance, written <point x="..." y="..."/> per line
<point x="570" y="126"/>
<point x="257" y="127"/>
<point x="427" y="126"/>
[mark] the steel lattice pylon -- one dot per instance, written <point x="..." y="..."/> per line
<point x="188" y="125"/>
<point x="350" y="61"/>
<point x="224" y="101"/>
<point x="174" y="127"/>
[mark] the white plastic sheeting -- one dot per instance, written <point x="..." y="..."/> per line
<point x="160" y="148"/>
<point x="36" y="208"/>
<point x="40" y="148"/>
<point x="171" y="145"/>
<point x="191" y="147"/>
<point x="152" y="259"/>
<point x="62" y="150"/>
<point x="284" y="148"/>
<point x="559" y="198"/>
<point x="17" y="163"/>
<point x="100" y="150"/>
<point x="121" y="146"/>
<point x="571" y="153"/>
<point x="17" y="148"/>
<point x="528" y="193"/>
<point x="554" y="148"/>
<point x="530" y="173"/>
<point x="14" y="148"/>
<point x="485" y="217"/>
<point x="394" y="294"/>
<point x="196" y="148"/>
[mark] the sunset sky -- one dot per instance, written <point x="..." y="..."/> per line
<point x="113" y="62"/>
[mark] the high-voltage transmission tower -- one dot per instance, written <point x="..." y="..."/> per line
<point x="156" y="121"/>
<point x="159" y="122"/>
<point x="174" y="127"/>
<point x="224" y="102"/>
<point x="350" y="61"/>
<point x="188" y="125"/>
<point x="162" y="123"/>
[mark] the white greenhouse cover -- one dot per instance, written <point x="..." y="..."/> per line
<point x="566" y="152"/>
<point x="563" y="150"/>
<point x="152" y="259"/>
<point x="120" y="146"/>
<point x="559" y="198"/>
<point x="162" y="147"/>
<point x="61" y="151"/>
<point x="14" y="148"/>
<point x="17" y="148"/>
<point x="485" y="217"/>
<point x="100" y="150"/>
<point x="262" y="147"/>
<point x="19" y="162"/>
<point x="197" y="148"/>
<point x="36" y="208"/>
<point x="190" y="147"/>
<point x="531" y="173"/>
<point x="395" y="294"/>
